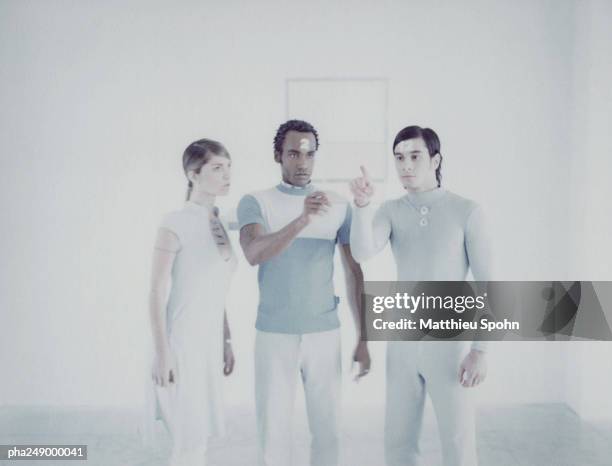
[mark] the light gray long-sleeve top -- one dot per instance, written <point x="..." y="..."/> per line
<point x="435" y="236"/>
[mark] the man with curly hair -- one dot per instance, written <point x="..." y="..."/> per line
<point x="290" y="231"/>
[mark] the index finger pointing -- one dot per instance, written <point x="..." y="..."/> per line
<point x="366" y="176"/>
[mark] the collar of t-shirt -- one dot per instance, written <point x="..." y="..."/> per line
<point x="201" y="209"/>
<point x="287" y="188"/>
<point x="424" y="198"/>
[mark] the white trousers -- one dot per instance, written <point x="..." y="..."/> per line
<point x="417" y="368"/>
<point x="278" y="360"/>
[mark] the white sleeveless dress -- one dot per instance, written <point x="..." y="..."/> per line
<point x="191" y="408"/>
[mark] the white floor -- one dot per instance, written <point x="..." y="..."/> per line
<point x="521" y="435"/>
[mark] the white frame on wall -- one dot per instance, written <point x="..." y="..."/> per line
<point x="336" y="102"/>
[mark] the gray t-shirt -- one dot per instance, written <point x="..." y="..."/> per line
<point x="435" y="236"/>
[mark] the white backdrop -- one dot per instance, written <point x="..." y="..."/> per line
<point x="99" y="99"/>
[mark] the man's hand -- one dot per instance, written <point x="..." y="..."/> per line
<point x="228" y="358"/>
<point x="473" y="369"/>
<point x="362" y="188"/>
<point x="361" y="356"/>
<point x="315" y="203"/>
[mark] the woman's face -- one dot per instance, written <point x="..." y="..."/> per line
<point x="214" y="177"/>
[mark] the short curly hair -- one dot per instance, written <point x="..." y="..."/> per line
<point x="293" y="125"/>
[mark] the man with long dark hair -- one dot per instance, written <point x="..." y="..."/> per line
<point x="435" y="235"/>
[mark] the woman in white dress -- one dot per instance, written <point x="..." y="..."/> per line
<point x="192" y="266"/>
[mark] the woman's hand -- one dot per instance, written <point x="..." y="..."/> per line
<point x="228" y="358"/>
<point x="164" y="370"/>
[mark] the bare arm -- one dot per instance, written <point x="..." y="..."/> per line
<point x="354" y="293"/>
<point x="354" y="288"/>
<point x="164" y="254"/>
<point x="228" y="352"/>
<point x="227" y="336"/>
<point x="259" y="246"/>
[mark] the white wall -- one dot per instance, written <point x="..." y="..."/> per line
<point x="591" y="222"/>
<point x="100" y="99"/>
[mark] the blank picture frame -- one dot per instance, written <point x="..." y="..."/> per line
<point x="350" y="116"/>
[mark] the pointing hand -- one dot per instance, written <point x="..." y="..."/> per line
<point x="362" y="188"/>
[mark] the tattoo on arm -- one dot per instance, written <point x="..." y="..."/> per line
<point x="247" y="234"/>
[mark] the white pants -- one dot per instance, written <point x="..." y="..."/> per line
<point x="417" y="368"/>
<point x="278" y="358"/>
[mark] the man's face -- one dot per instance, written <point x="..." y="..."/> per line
<point x="297" y="158"/>
<point x="415" y="168"/>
